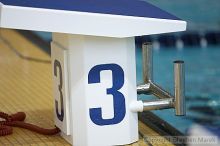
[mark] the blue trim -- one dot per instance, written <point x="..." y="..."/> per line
<point x="136" y="8"/>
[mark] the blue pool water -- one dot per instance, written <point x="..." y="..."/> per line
<point x="201" y="15"/>
<point x="202" y="84"/>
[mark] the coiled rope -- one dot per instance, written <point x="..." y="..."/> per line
<point x="17" y="120"/>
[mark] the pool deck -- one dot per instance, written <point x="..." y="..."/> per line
<point x="26" y="85"/>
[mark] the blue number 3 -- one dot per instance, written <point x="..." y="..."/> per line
<point x="118" y="97"/>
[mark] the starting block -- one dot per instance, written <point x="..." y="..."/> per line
<point x="93" y="61"/>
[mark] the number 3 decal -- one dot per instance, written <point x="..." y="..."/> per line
<point x="57" y="64"/>
<point x="118" y="97"/>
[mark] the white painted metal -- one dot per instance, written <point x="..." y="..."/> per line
<point x="85" y="52"/>
<point x="60" y="55"/>
<point x="84" y="23"/>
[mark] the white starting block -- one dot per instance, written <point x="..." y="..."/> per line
<point x="93" y="60"/>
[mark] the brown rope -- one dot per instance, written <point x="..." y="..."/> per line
<point x="17" y="120"/>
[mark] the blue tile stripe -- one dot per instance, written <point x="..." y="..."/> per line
<point x="138" y="8"/>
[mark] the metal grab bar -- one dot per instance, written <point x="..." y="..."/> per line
<point x="166" y="100"/>
<point x="179" y="82"/>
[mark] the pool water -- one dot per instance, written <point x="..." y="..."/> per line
<point x="201" y="15"/>
<point x="202" y="84"/>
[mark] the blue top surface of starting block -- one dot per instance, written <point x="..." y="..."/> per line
<point x="137" y="8"/>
